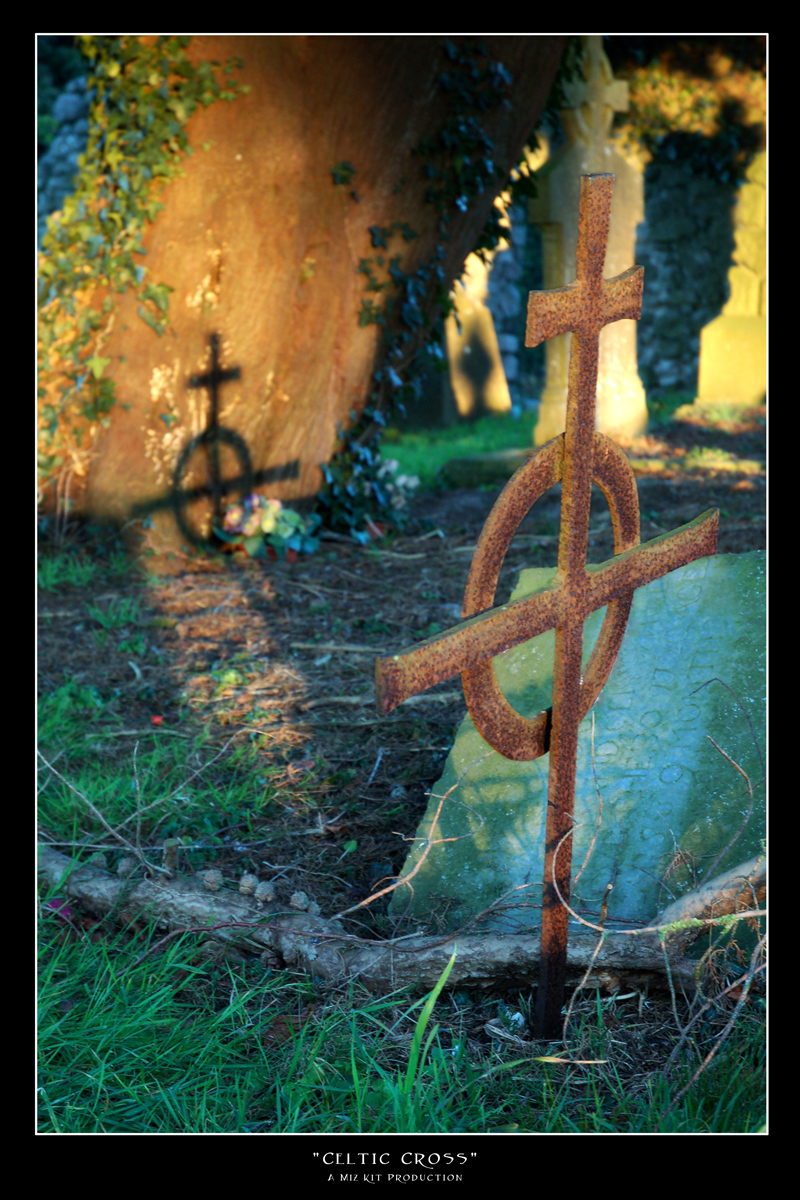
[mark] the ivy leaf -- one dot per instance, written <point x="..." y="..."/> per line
<point x="159" y="294"/>
<point x="179" y="109"/>
<point x="149" y="319"/>
<point x="97" y="365"/>
<point x="378" y="236"/>
<point x="343" y="173"/>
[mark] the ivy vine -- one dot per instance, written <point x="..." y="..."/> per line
<point x="141" y="97"/>
<point x="457" y="164"/>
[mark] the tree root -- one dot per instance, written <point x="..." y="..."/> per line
<point x="322" y="949"/>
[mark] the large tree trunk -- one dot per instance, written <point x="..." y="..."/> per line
<point x="263" y="248"/>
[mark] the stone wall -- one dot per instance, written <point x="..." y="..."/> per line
<point x="516" y="271"/>
<point x="685" y="246"/>
<point x="58" y="166"/>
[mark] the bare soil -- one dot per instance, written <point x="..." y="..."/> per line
<point x="280" y="656"/>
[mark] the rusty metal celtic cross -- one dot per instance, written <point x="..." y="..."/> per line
<point x="576" y="459"/>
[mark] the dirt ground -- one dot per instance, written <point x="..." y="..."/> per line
<point x="281" y="656"/>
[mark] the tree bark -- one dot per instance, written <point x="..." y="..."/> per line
<point x="262" y="248"/>
<point x="743" y="887"/>
<point x="321" y="948"/>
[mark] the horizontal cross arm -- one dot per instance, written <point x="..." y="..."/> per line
<point x="622" y="296"/>
<point x="651" y="560"/>
<point x="552" y="312"/>
<point x="210" y="377"/>
<point x="467" y="644"/>
<point x="399" y="676"/>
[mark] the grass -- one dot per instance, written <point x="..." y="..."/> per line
<point x="74" y="569"/>
<point x="162" y="782"/>
<point x="424" y="452"/>
<point x="116" y="615"/>
<point x="179" y="1040"/>
<point x="179" y="1043"/>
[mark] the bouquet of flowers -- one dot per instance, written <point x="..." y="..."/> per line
<point x="263" y="527"/>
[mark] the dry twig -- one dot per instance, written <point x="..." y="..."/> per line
<point x="96" y="813"/>
<point x="429" y="842"/>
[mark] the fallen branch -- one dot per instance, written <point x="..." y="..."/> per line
<point x="321" y="947"/>
<point x="335" y="648"/>
<point x="369" y="698"/>
<point x="742" y="888"/>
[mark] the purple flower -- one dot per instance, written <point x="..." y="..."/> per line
<point x="61" y="908"/>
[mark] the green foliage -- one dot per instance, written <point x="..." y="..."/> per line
<point x="65" y="570"/>
<point x="460" y="162"/>
<point x="403" y="1101"/>
<point x="66" y="709"/>
<point x="692" y="102"/>
<point x="258" y="523"/>
<point x="58" y="61"/>
<point x="343" y="173"/>
<point x="141" y="99"/>
<point x="363" y="488"/>
<point x="456" y="165"/>
<point x="352" y="495"/>
<point x="119" y="613"/>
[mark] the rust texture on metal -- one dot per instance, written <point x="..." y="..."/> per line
<point x="467" y="648"/>
<point x="576" y="459"/>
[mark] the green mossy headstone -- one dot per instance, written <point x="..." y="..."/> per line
<point x="670" y="800"/>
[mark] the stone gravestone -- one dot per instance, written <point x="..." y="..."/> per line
<point x="621" y="406"/>
<point x="733" y="347"/>
<point x="476" y="368"/>
<point x="575" y="459"/>
<point x="660" y="802"/>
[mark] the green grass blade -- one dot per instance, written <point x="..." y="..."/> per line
<point x="424" y="1017"/>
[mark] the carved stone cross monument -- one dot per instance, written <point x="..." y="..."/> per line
<point x="576" y="459"/>
<point x="591" y="101"/>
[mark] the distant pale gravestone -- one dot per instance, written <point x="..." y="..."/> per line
<point x="661" y="802"/>
<point x="732" y="370"/>
<point x="476" y="368"/>
<point x="592" y="98"/>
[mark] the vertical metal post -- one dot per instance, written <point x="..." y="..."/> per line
<point x="576" y="459"/>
